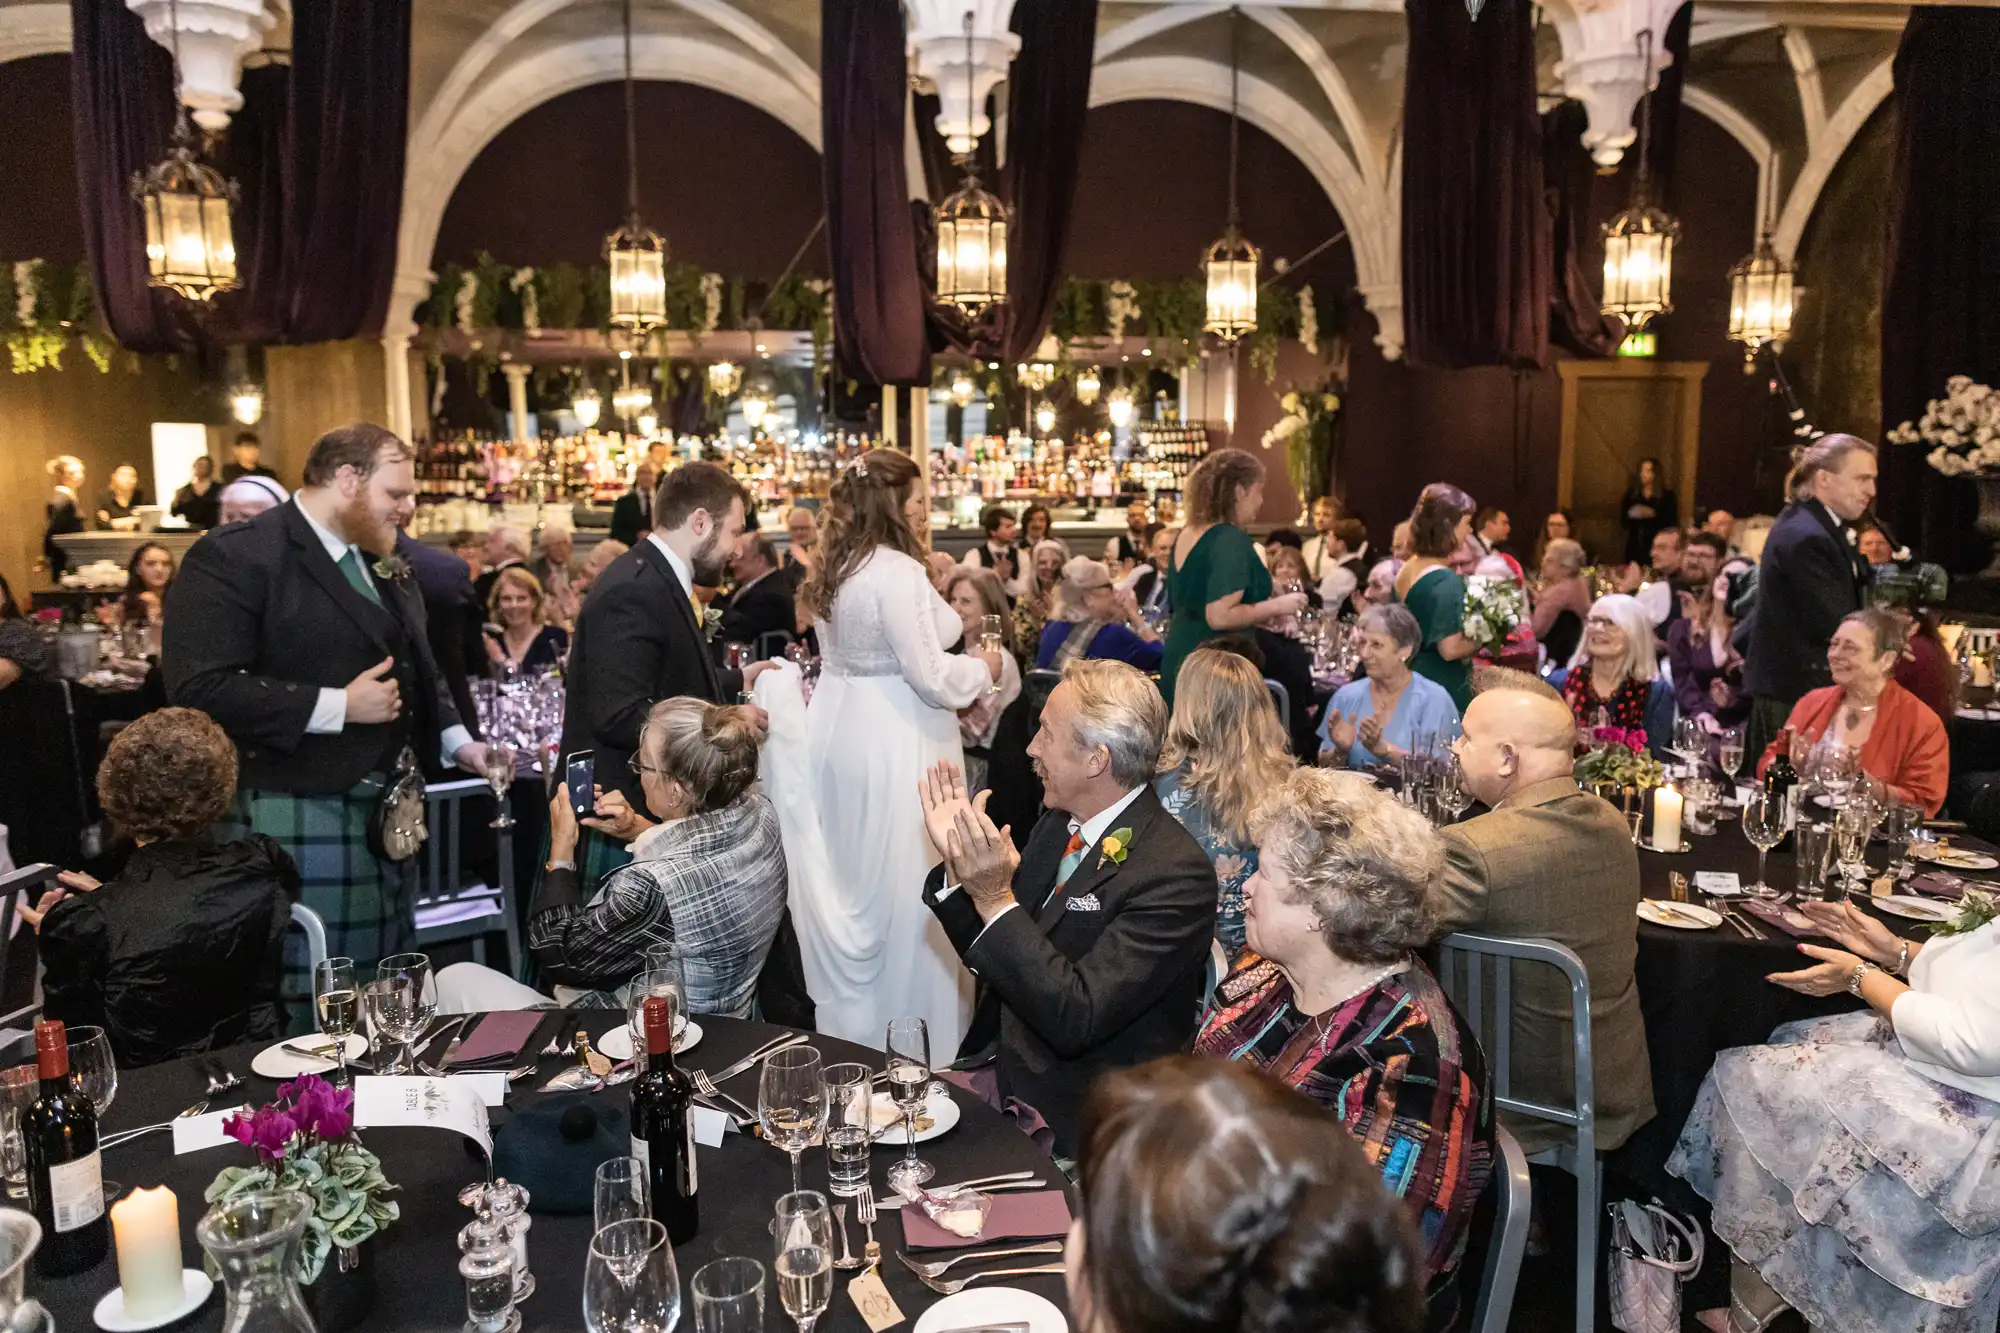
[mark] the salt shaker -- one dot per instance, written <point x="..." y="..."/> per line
<point x="510" y="1208"/>
<point x="488" y="1269"/>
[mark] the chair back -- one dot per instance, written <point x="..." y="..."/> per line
<point x="453" y="902"/>
<point x="314" y="928"/>
<point x="1281" y="699"/>
<point x="772" y="643"/>
<point x="1500" y="1230"/>
<point x="1216" y="969"/>
<point x="1036" y="687"/>
<point x="23" y="884"/>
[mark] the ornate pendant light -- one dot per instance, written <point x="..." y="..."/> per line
<point x="246" y="404"/>
<point x="1089" y="382"/>
<point x="724" y="378"/>
<point x="189" y="245"/>
<point x="1231" y="263"/>
<point x="971" y="233"/>
<point x="1639" y="242"/>
<point x="1760" y="298"/>
<point x="759" y="402"/>
<point x="1035" y="375"/>
<point x="1121" y="406"/>
<point x="638" y="255"/>
<point x="586" y="407"/>
<point x="963" y="390"/>
<point x="648" y="424"/>
<point x="631" y="400"/>
<point x="1045" y="417"/>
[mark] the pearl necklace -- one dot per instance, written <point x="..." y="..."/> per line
<point x="1323" y="1022"/>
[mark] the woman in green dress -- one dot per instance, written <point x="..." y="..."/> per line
<point x="1215" y="582"/>
<point x="1434" y="594"/>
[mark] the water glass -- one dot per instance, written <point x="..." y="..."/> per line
<point x="410" y="1004"/>
<point x="849" y="1127"/>
<point x="630" y="1283"/>
<point x="1897" y="824"/>
<point x="728" y="1296"/>
<point x="1764" y="819"/>
<point x="654" y="981"/>
<point x="337" y="1001"/>
<point x="791" y="1102"/>
<point x="805" y="1257"/>
<point x="1814" y="843"/>
<point x="619" y="1192"/>
<point x="19" y="1089"/>
<point x="1699" y="815"/>
<point x="909" y="1047"/>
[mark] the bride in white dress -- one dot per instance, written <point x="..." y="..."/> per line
<point x="885" y="709"/>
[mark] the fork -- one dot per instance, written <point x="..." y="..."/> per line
<point x="761" y="1053"/>
<point x="864" y="1208"/>
<point x="938" y="1269"/>
<point x="706" y="1086"/>
<point x="228" y="1079"/>
<point x="952" y="1288"/>
<point x="846" y="1259"/>
<point x="127" y="1135"/>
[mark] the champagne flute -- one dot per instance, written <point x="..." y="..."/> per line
<point x="1850" y="832"/>
<point x="728" y="1296"/>
<point x="1729" y="750"/>
<point x="499" y="773"/>
<point x="1452" y="797"/>
<point x="1764" y="819"/>
<point x="337" y="1001"/>
<point x="791" y="1102"/>
<point x="412" y="1001"/>
<point x="630" y="1283"/>
<point x="909" y="1047"/>
<point x="990" y="642"/>
<point x="619" y="1191"/>
<point x="805" y="1257"/>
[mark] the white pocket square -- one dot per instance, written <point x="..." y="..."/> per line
<point x="1087" y="903"/>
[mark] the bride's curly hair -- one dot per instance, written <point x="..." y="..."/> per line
<point x="864" y="510"/>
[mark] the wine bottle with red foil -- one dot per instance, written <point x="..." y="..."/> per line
<point x="65" y="1179"/>
<point x="663" y="1127"/>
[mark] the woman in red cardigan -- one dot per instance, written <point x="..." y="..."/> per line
<point x="1902" y="742"/>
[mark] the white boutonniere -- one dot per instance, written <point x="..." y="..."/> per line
<point x="711" y="621"/>
<point x="392" y="567"/>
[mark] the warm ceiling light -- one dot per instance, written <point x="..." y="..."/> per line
<point x="971" y="231"/>
<point x="246" y="404"/>
<point x="1036" y="375"/>
<point x="1760" y="300"/>
<point x="963" y="390"/>
<point x="1639" y="242"/>
<point x="648" y="423"/>
<point x="631" y="400"/>
<point x="724" y="378"/>
<point x="759" y="403"/>
<point x="638" y="255"/>
<point x="586" y="407"/>
<point x="1088" y="383"/>
<point x="1230" y="265"/>
<point x="190" y="248"/>
<point x="1045" y="417"/>
<point x="1120" y="405"/>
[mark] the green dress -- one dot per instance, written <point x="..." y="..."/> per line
<point x="1437" y="600"/>
<point x="1223" y="561"/>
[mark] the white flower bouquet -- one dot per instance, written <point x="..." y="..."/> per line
<point x="1493" y="607"/>
<point x="1962" y="428"/>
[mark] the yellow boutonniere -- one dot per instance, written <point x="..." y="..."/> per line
<point x="1114" y="846"/>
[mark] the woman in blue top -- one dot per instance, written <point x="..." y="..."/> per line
<point x="1353" y="733"/>
<point x="1095" y="619"/>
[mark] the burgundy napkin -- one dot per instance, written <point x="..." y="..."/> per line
<point x="497" y="1040"/>
<point x="1032" y="1215"/>
<point x="1938" y="884"/>
<point x="1788" y="919"/>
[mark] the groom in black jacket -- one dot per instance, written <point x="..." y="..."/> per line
<point x="1090" y="944"/>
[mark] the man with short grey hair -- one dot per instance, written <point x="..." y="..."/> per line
<point x="506" y="546"/>
<point x="1090" y="943"/>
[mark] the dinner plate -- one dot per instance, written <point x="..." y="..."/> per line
<point x="617" y="1043"/>
<point x="1960" y="859"/>
<point x="1916" y="909"/>
<point x="977" y="1307"/>
<point x="278" y="1063"/>
<point x="1677" y="915"/>
<point x="939" y="1106"/>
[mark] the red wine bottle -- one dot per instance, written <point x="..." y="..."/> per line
<point x="65" y="1178"/>
<point x="663" y="1127"/>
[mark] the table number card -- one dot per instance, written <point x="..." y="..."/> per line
<point x="196" y="1132"/>
<point x="1721" y="882"/>
<point x="436" y="1103"/>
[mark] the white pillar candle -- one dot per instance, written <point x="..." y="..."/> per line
<point x="147" y="1225"/>
<point x="1666" y="820"/>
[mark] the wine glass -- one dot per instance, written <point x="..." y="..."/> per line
<point x="410" y="1002"/>
<point x="20" y="1087"/>
<point x="93" y="1071"/>
<point x="1729" y="750"/>
<point x="909" y="1047"/>
<point x="805" y="1257"/>
<point x="1764" y="819"/>
<point x="1834" y="767"/>
<point x="619" y="1191"/>
<point x="1690" y="742"/>
<point x="728" y="1296"/>
<point x="1452" y="797"/>
<point x="654" y="981"/>
<point x="1850" y="834"/>
<point x="630" y="1283"/>
<point x="499" y="775"/>
<point x="337" y="1001"/>
<point x="990" y="642"/>
<point x="791" y="1102"/>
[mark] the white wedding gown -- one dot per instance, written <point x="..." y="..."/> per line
<point x="844" y="776"/>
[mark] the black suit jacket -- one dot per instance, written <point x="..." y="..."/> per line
<point x="1075" y="991"/>
<point x="259" y="620"/>
<point x="1809" y="578"/>
<point x="764" y="606"/>
<point x="636" y="643"/>
<point x="627" y="519"/>
<point x="453" y="619"/>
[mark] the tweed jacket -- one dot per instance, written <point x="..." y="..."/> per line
<point x="1554" y="862"/>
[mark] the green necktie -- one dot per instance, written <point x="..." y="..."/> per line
<point x="350" y="566"/>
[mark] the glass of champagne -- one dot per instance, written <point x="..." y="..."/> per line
<point x="1452" y="797"/>
<point x="909" y="1047"/>
<point x="412" y="1001"/>
<point x="1764" y="827"/>
<point x="499" y="776"/>
<point x="1850" y="834"/>
<point x="1729" y="750"/>
<point x="791" y="1102"/>
<point x="337" y="1001"/>
<point x="630" y="1282"/>
<point x="805" y="1257"/>
<point x="990" y="642"/>
<point x="619" y="1191"/>
<point x="728" y="1296"/>
<point x="849" y="1127"/>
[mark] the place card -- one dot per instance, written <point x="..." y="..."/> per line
<point x="196" y="1132"/>
<point x="1722" y="883"/>
<point x="710" y="1126"/>
<point x="435" y="1103"/>
<point x="874" y="1302"/>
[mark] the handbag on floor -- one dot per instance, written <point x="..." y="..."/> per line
<point x="1653" y="1251"/>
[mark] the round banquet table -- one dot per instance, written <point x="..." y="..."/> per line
<point x="416" y="1258"/>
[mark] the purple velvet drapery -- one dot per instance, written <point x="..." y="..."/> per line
<point x="1476" y="265"/>
<point x="1941" y="290"/>
<point x="1577" y="320"/>
<point x="317" y="155"/>
<point x="878" y="302"/>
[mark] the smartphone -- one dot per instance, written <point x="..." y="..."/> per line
<point x="579" y="775"/>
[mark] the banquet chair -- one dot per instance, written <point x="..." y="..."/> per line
<point x="1484" y="992"/>
<point x="24" y="885"/>
<point x="314" y="928"/>
<point x="1281" y="699"/>
<point x="772" y="643"/>
<point x="1036" y="687"/>
<point x="451" y="905"/>
<point x="1504" y="1241"/>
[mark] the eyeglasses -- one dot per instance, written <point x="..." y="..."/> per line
<point x="639" y="769"/>
<point x="1601" y="622"/>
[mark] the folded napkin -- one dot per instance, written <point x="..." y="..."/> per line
<point x="1788" y="919"/>
<point x="1938" y="884"/>
<point x="496" y="1040"/>
<point x="1033" y="1215"/>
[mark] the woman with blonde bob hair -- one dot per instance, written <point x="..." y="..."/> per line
<point x="1614" y="678"/>
<point x="1224" y="749"/>
<point x="521" y="637"/>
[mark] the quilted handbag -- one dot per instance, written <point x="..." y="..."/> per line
<point x="1653" y="1251"/>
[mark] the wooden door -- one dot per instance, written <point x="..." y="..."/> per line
<point x="1615" y="413"/>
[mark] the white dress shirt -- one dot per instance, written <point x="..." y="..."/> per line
<point x="1090" y="831"/>
<point x="329" y="715"/>
<point x="675" y="563"/>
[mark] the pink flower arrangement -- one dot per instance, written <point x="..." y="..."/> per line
<point x="1633" y="739"/>
<point x="308" y="1106"/>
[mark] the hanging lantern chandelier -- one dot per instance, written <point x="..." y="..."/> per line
<point x="246" y="404"/>
<point x="1045" y="417"/>
<point x="963" y="390"/>
<point x="759" y="403"/>
<point x="1231" y="263"/>
<point x="648" y="424"/>
<point x="637" y="254"/>
<point x="586" y="407"/>
<point x="1639" y="242"/>
<point x="1089" y="383"/>
<point x="724" y="378"/>
<point x="1035" y="375"/>
<point x="1760" y="297"/>
<point x="971" y="233"/>
<point x="189" y="245"/>
<point x="631" y="400"/>
<point x="1121" y="406"/>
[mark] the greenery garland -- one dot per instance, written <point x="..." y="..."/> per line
<point x="44" y="307"/>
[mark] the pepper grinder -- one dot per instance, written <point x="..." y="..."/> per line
<point x="487" y="1266"/>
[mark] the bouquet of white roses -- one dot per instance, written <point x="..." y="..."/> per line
<point x="1963" y="429"/>
<point x="1493" y="607"/>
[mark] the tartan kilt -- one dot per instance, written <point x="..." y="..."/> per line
<point x="598" y="855"/>
<point x="369" y="905"/>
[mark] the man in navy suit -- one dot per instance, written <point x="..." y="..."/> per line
<point x="452" y="619"/>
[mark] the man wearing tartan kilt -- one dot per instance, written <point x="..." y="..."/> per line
<point x="302" y="634"/>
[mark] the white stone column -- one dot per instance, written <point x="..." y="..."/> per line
<point x="517" y="373"/>
<point x="398" y="327"/>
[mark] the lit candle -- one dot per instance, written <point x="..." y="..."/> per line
<point x="1666" y="820"/>
<point x="147" y="1225"/>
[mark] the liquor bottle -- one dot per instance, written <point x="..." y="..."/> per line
<point x="663" y="1127"/>
<point x="65" y="1176"/>
<point x="1781" y="780"/>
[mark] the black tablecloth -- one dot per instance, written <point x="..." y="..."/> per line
<point x="416" y="1259"/>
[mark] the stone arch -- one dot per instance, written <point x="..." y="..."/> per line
<point x="33" y="30"/>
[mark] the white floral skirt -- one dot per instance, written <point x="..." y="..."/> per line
<point x="1865" y="1194"/>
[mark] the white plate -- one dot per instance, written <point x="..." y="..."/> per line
<point x="1916" y="909"/>
<point x="993" y="1305"/>
<point x="1957" y="858"/>
<point x="1659" y="915"/>
<point x="110" y="1312"/>
<point x="617" y="1043"/>
<point x="278" y="1063"/>
<point x="939" y="1106"/>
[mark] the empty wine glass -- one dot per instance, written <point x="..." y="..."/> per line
<point x="92" y="1067"/>
<point x="337" y="1001"/>
<point x="1834" y="767"/>
<point x="1452" y="797"/>
<point x="660" y="981"/>
<point x="409" y="1003"/>
<point x="791" y="1102"/>
<point x="499" y="775"/>
<point x="805" y="1257"/>
<point x="909" y="1047"/>
<point x="19" y="1089"/>
<point x="619" y="1191"/>
<point x="1690" y="743"/>
<point x="1764" y="819"/>
<point x="728" y="1296"/>
<point x="630" y="1282"/>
